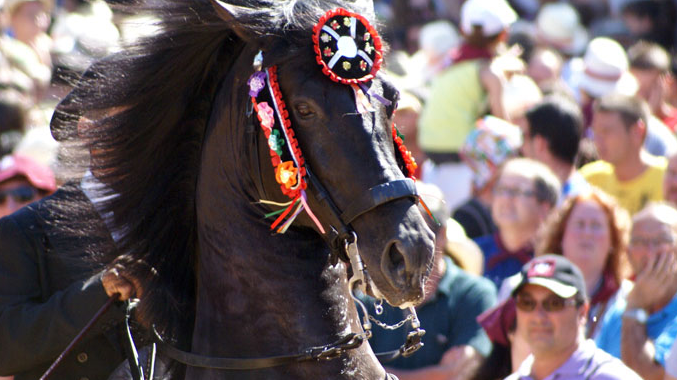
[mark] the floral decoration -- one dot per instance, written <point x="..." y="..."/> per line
<point x="266" y="115"/>
<point x="256" y="83"/>
<point x="286" y="173"/>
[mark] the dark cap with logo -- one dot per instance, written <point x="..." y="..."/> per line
<point x="554" y="272"/>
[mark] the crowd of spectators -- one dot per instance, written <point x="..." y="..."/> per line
<point x="545" y="133"/>
<point x="585" y="92"/>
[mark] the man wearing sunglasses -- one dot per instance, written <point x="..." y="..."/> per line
<point x="552" y="310"/>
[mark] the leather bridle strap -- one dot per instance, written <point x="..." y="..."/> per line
<point x="378" y="195"/>
<point x="326" y="352"/>
<point x="374" y="197"/>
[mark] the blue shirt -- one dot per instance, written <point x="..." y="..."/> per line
<point x="448" y="319"/>
<point x="660" y="328"/>
<point x="586" y="363"/>
<point x="573" y="186"/>
<point x="499" y="263"/>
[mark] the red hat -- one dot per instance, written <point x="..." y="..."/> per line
<point x="37" y="174"/>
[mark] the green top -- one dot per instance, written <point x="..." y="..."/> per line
<point x="457" y="99"/>
<point x="448" y="319"/>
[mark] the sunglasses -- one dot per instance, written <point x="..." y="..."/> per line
<point x="18" y="194"/>
<point x="550" y="304"/>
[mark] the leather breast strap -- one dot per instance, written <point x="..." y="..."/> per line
<point x="319" y="353"/>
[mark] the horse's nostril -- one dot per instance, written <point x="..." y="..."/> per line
<point x="396" y="262"/>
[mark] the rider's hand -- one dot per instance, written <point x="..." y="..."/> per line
<point x="115" y="280"/>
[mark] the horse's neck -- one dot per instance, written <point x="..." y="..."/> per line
<point x="266" y="295"/>
<point x="259" y="288"/>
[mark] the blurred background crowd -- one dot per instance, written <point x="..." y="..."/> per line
<point x="539" y="126"/>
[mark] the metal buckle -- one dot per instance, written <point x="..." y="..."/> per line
<point x="413" y="342"/>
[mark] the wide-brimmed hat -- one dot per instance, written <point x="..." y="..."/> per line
<point x="605" y="69"/>
<point x="492" y="15"/>
<point x="559" y="26"/>
<point x="463" y="250"/>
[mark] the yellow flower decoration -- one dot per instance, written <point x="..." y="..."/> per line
<point x="286" y="174"/>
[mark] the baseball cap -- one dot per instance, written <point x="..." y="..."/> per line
<point x="555" y="273"/>
<point x="38" y="175"/>
<point x="492" y="15"/>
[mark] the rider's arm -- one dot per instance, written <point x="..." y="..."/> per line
<point x="35" y="327"/>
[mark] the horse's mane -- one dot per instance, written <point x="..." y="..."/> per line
<point x="145" y="112"/>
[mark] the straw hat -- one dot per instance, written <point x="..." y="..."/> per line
<point x="605" y="69"/>
<point x="559" y="26"/>
<point x="465" y="252"/>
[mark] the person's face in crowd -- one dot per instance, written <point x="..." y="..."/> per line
<point x="649" y="237"/>
<point x="612" y="139"/>
<point x="544" y="68"/>
<point x="548" y="332"/>
<point x="670" y="181"/>
<point x="637" y="25"/>
<point x="514" y="202"/>
<point x="29" y="20"/>
<point x="15" y="193"/>
<point x="587" y="237"/>
<point x="649" y="81"/>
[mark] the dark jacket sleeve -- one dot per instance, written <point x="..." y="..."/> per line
<point x="35" y="327"/>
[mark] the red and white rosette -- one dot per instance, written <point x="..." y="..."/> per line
<point x="347" y="47"/>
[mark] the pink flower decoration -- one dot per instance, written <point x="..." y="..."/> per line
<point x="266" y="115"/>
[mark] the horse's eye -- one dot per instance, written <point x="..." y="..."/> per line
<point x="304" y="110"/>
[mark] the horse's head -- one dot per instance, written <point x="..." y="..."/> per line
<point x="353" y="167"/>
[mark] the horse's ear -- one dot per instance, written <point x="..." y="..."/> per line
<point x="232" y="14"/>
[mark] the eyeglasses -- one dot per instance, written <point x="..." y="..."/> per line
<point x="19" y="194"/>
<point x="639" y="242"/>
<point x="513" y="192"/>
<point x="550" y="304"/>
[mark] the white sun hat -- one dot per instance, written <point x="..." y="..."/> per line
<point x="492" y="15"/>
<point x="605" y="69"/>
<point x="438" y="37"/>
<point x="559" y="26"/>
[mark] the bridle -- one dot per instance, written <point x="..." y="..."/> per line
<point x="268" y="110"/>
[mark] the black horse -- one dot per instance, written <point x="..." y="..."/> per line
<point x="169" y="127"/>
